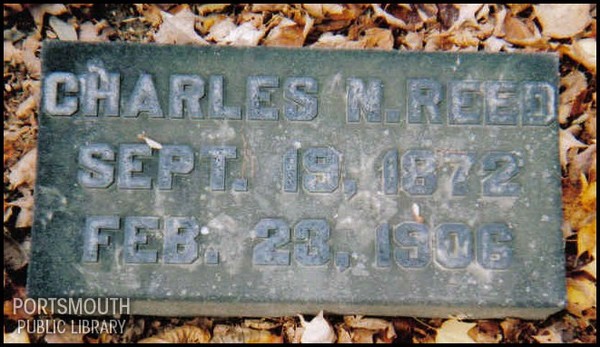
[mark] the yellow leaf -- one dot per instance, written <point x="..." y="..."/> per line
<point x="590" y="267"/>
<point x="453" y="331"/>
<point x="581" y="295"/>
<point x="588" y="197"/>
<point x="586" y="239"/>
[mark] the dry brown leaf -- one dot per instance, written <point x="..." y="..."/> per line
<point x="220" y="29"/>
<point x="590" y="268"/>
<point x="500" y="17"/>
<point x="38" y="12"/>
<point x="453" y="331"/>
<point x="268" y="7"/>
<point x="414" y="41"/>
<point x="237" y="334"/>
<point x="574" y="84"/>
<point x="588" y="196"/>
<point x="182" y="334"/>
<point x="17" y="336"/>
<point x="286" y="33"/>
<point x="152" y="14"/>
<point x="581" y="295"/>
<point x="315" y="10"/>
<point x="376" y="324"/>
<point x="23" y="172"/>
<point x="25" y="217"/>
<point x="15" y="258"/>
<point x="32" y="62"/>
<point x="584" y="52"/>
<point x="466" y="15"/>
<point x="210" y="8"/>
<point x="464" y="38"/>
<point x="64" y="31"/>
<point x="343" y="335"/>
<point x="329" y="40"/>
<point x="567" y="141"/>
<point x="244" y="35"/>
<point x="27" y="108"/>
<point x="293" y="332"/>
<point x="178" y="29"/>
<point x="486" y="332"/>
<point x="261" y="324"/>
<point x="548" y="335"/>
<point x="11" y="53"/>
<point x="563" y="20"/>
<point x="378" y="38"/>
<point x="360" y="335"/>
<point x="494" y="44"/>
<point x="389" y="19"/>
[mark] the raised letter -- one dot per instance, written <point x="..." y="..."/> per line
<point x="185" y="94"/>
<point x="56" y="104"/>
<point x="217" y="166"/>
<point x="93" y="237"/>
<point x="100" y="86"/>
<point x="299" y="105"/>
<point x="501" y="103"/>
<point x="128" y="165"/>
<point x="259" y="89"/>
<point x="133" y="253"/>
<point x="216" y="96"/>
<point x="361" y="100"/>
<point x="97" y="173"/>
<point x="144" y="99"/>
<point x="180" y="246"/>
<point x="539" y="103"/>
<point x="173" y="159"/>
<point x="423" y="97"/>
<point x="466" y="104"/>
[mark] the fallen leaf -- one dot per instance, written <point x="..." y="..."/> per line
<point x="32" y="62"/>
<point x="261" y="324"/>
<point x="389" y="19"/>
<point x="178" y="29"/>
<point x="152" y="14"/>
<point x="12" y="54"/>
<point x="413" y="40"/>
<point x="23" y="172"/>
<point x="378" y="38"/>
<point x="293" y="332"/>
<point x="574" y="84"/>
<point x="453" y="331"/>
<point x="17" y="336"/>
<point x="563" y="20"/>
<point x="268" y="7"/>
<point x="486" y="332"/>
<point x="63" y="30"/>
<point x="25" y="217"/>
<point x="466" y="15"/>
<point x="584" y="52"/>
<point x="590" y="268"/>
<point x="317" y="330"/>
<point x="360" y="335"/>
<point x="343" y="335"/>
<point x="567" y="141"/>
<point x="581" y="295"/>
<point x="221" y="29"/>
<point x="375" y="324"/>
<point x="494" y="44"/>
<point x="15" y="257"/>
<point x="588" y="196"/>
<point x="210" y="8"/>
<point x="39" y="11"/>
<point x="548" y="335"/>
<point x="237" y="334"/>
<point x="27" y="108"/>
<point x="329" y="40"/>
<point x="182" y="334"/>
<point x="286" y="33"/>
<point x="244" y="35"/>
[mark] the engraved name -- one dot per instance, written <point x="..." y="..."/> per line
<point x="98" y="92"/>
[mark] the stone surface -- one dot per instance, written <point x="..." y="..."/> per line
<point x="267" y="182"/>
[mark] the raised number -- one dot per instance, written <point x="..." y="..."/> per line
<point x="418" y="172"/>
<point x="322" y="165"/>
<point x="277" y="233"/>
<point x="390" y="172"/>
<point x="454" y="245"/>
<point x="414" y="250"/>
<point x="505" y="167"/>
<point x="493" y="246"/>
<point x="464" y="162"/>
<point x="316" y="251"/>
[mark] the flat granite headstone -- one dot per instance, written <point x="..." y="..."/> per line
<point x="269" y="181"/>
